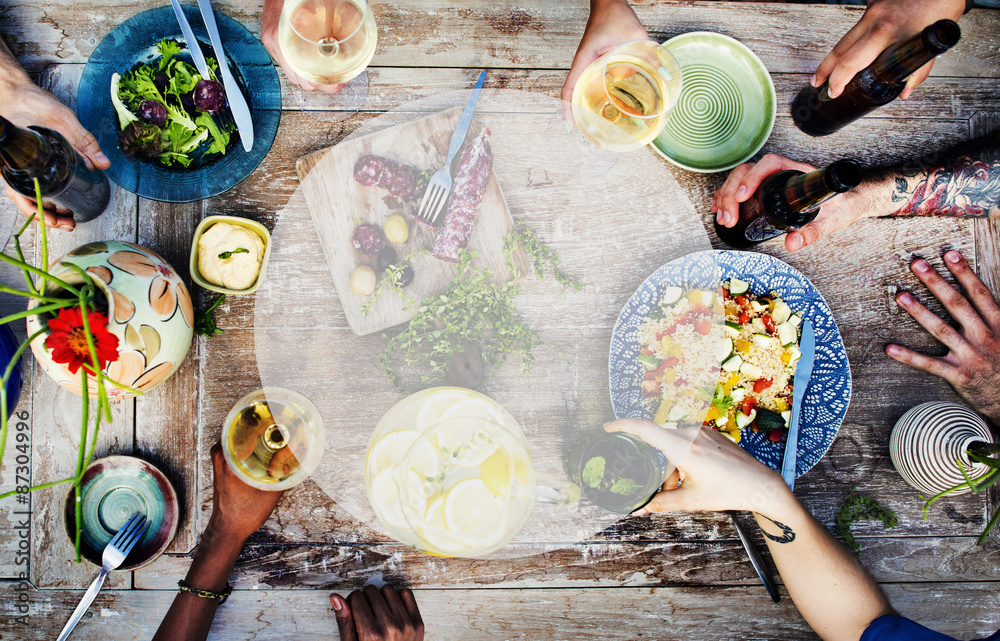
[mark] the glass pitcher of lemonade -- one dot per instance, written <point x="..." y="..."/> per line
<point x="449" y="473"/>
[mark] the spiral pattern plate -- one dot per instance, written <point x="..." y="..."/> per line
<point x="726" y="109"/>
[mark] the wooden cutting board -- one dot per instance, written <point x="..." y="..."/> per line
<point x="339" y="204"/>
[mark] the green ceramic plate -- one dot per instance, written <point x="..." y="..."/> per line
<point x="114" y="488"/>
<point x="726" y="109"/>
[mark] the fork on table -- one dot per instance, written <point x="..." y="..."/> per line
<point x="114" y="555"/>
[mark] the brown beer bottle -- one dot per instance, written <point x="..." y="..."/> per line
<point x="65" y="179"/>
<point x="788" y="200"/>
<point x="881" y="82"/>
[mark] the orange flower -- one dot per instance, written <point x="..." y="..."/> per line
<point x="68" y="342"/>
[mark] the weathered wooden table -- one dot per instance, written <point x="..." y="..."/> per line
<point x="666" y="576"/>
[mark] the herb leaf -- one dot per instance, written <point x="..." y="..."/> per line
<point x="858" y="507"/>
<point x="238" y="250"/>
<point x="204" y="321"/>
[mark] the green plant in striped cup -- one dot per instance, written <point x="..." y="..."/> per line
<point x="978" y="452"/>
<point x="74" y="323"/>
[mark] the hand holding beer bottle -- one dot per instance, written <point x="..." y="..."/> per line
<point x="884" y="23"/>
<point x="26" y="104"/>
<point x="963" y="181"/>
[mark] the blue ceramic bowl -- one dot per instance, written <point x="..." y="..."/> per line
<point x="133" y="42"/>
<point x="8" y="347"/>
<point x="829" y="391"/>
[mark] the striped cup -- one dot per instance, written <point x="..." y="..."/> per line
<point x="929" y="440"/>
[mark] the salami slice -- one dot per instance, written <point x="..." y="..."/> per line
<point x="403" y="181"/>
<point x="368" y="170"/>
<point x="388" y="173"/>
<point x="468" y="188"/>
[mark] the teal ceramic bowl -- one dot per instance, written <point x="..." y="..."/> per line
<point x="113" y="489"/>
<point x="726" y="111"/>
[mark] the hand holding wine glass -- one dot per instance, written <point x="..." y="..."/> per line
<point x="269" y="36"/>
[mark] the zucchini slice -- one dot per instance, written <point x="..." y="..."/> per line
<point x="787" y="334"/>
<point x="671" y="295"/>
<point x="750" y="370"/>
<point x="724" y="349"/>
<point x="732" y="364"/>
<point x="737" y="286"/>
<point x="763" y="340"/>
<point x="742" y="420"/>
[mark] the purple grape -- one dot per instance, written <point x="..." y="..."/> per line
<point x="153" y="113"/>
<point x="209" y="96"/>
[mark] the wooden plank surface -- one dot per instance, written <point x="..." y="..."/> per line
<point x="542" y="614"/>
<point x="674" y="571"/>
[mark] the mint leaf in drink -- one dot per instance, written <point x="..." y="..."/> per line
<point x="624" y="486"/>
<point x="238" y="250"/>
<point x="593" y="471"/>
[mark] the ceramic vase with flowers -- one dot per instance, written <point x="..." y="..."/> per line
<point x="142" y="302"/>
<point x="108" y="320"/>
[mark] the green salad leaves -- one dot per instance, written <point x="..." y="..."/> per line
<point x="167" y="111"/>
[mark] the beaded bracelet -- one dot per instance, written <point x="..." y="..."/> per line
<point x="205" y="594"/>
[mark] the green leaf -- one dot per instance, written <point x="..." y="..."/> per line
<point x="168" y="49"/>
<point x="204" y="321"/>
<point x="238" y="250"/>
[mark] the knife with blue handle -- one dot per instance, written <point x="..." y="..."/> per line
<point x="237" y="102"/>
<point x="803" y="370"/>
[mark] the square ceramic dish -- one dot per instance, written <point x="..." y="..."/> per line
<point x="253" y="226"/>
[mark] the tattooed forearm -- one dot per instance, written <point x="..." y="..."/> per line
<point x="786" y="534"/>
<point x="963" y="181"/>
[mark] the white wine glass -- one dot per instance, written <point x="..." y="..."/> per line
<point x="622" y="100"/>
<point x="273" y="438"/>
<point x="329" y="42"/>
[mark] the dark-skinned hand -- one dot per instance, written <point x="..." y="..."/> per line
<point x="238" y="509"/>
<point x="375" y="614"/>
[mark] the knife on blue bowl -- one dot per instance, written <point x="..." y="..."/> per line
<point x="237" y="102"/>
<point x="803" y="370"/>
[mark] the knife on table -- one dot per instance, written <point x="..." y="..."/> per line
<point x="196" y="55"/>
<point x="237" y="102"/>
<point x="807" y="345"/>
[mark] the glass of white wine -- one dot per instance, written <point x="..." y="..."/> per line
<point x="622" y="100"/>
<point x="329" y="42"/>
<point x="273" y="438"/>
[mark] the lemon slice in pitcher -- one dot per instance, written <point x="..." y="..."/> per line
<point x="435" y="405"/>
<point x="470" y="507"/>
<point x="391" y="449"/>
<point x="385" y="497"/>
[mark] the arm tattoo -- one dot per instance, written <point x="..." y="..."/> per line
<point x="961" y="182"/>
<point x="786" y="536"/>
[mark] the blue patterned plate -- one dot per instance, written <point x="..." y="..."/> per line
<point x="829" y="391"/>
<point x="134" y="41"/>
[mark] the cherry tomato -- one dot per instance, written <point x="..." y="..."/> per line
<point x="768" y="323"/>
<point x="741" y="301"/>
<point x="744" y="318"/>
<point x="749" y="405"/>
<point x="703" y="326"/>
<point x="762" y="384"/>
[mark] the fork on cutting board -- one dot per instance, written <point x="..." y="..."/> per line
<point x="439" y="187"/>
<point x="114" y="555"/>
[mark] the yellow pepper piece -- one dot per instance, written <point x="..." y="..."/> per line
<point x="742" y="346"/>
<point x="786" y="356"/>
<point x="733" y="381"/>
<point x="713" y="413"/>
<point x="781" y="405"/>
<point x="662" y="412"/>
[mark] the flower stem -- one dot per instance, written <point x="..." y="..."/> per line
<point x="78" y="499"/>
<point x="20" y="254"/>
<point x="43" y="486"/>
<point x="38" y="272"/>
<point x="35" y="295"/>
<point x="41" y="231"/>
<point x="42" y="309"/>
<point x="107" y="379"/>
<point x="102" y="399"/>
